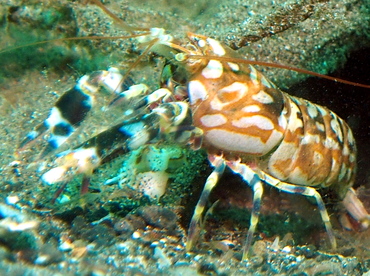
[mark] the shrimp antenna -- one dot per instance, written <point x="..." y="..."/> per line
<point x="116" y="19"/>
<point x="281" y="66"/>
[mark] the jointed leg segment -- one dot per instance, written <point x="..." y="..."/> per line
<point x="306" y="191"/>
<point x="196" y="221"/>
<point x="255" y="181"/>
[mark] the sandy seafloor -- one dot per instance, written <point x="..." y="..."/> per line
<point x="113" y="231"/>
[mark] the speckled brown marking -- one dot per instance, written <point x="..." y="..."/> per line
<point x="244" y="122"/>
<point x="293" y="144"/>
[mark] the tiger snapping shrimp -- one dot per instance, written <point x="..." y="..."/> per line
<point x="229" y="109"/>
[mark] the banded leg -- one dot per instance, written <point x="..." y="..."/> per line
<point x="255" y="183"/>
<point x="73" y="106"/>
<point x="128" y="98"/>
<point x="306" y="191"/>
<point x="127" y="136"/>
<point x="196" y="221"/>
<point x="88" y="156"/>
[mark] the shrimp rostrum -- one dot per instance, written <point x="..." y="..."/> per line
<point x="227" y="107"/>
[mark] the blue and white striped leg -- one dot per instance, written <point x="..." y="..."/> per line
<point x="126" y="136"/>
<point x="72" y="108"/>
<point x="306" y="191"/>
<point x="256" y="184"/>
<point x="196" y="221"/>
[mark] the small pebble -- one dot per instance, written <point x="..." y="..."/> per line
<point x="136" y="235"/>
<point x="11" y="200"/>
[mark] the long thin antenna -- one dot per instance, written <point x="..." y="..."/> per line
<point x="116" y="19"/>
<point x="276" y="65"/>
<point x="73" y="38"/>
<point x="133" y="65"/>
